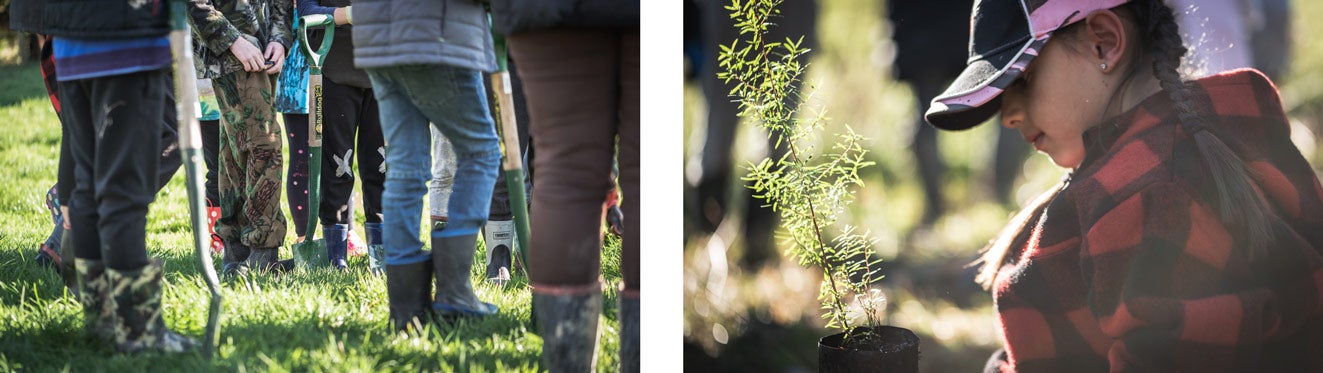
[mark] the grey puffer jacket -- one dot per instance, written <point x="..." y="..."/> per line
<point x="422" y="32"/>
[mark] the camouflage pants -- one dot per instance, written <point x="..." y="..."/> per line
<point x="250" y="161"/>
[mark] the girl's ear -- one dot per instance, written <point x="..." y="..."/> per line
<point x="1106" y="38"/>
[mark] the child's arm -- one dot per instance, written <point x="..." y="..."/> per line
<point x="220" y="36"/>
<point x="340" y="14"/>
<point x="216" y="32"/>
<point x="310" y="7"/>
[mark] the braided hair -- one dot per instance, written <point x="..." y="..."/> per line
<point x="1240" y="206"/>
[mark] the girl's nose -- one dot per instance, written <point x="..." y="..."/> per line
<point x="1012" y="108"/>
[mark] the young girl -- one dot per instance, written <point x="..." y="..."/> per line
<point x="1185" y="237"/>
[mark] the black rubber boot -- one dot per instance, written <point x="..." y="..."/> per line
<point x="567" y="317"/>
<point x="234" y="258"/>
<point x="451" y="259"/>
<point x="629" y="331"/>
<point x="67" y="270"/>
<point x="137" y="303"/>
<point x="265" y="260"/>
<point x="409" y="288"/>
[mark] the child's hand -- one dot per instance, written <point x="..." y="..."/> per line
<point x="341" y="15"/>
<point x="276" y="54"/>
<point x="248" y="55"/>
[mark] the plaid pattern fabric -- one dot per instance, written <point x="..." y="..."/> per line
<point x="48" y="72"/>
<point x="1129" y="268"/>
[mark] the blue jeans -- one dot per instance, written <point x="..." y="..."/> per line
<point x="454" y="101"/>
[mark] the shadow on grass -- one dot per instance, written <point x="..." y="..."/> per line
<point x="309" y="342"/>
<point x="19" y="83"/>
<point x="23" y="281"/>
<point x="60" y="344"/>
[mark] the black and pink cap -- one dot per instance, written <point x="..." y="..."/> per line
<point x="1004" y="36"/>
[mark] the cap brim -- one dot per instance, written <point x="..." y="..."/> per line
<point x="975" y="95"/>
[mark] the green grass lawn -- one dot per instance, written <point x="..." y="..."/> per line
<point x="320" y="320"/>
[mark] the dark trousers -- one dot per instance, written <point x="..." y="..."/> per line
<point x="583" y="92"/>
<point x="115" y="129"/>
<point x="211" y="150"/>
<point x="296" y="174"/>
<point x="64" y="178"/>
<point x="351" y="111"/>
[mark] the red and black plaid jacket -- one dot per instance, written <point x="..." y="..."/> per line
<point x="1129" y="268"/>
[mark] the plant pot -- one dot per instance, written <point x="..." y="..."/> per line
<point x="896" y="350"/>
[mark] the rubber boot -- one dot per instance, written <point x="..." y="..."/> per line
<point x="499" y="237"/>
<point x="337" y="244"/>
<point x="213" y="214"/>
<point x="376" y="251"/>
<point x="48" y="253"/>
<point x="234" y="261"/>
<point x="629" y="331"/>
<point x="68" y="269"/>
<point x="266" y="260"/>
<point x="451" y="259"/>
<point x="136" y="297"/>
<point x="409" y="288"/>
<point x="615" y="218"/>
<point x="567" y="317"/>
<point x="98" y="312"/>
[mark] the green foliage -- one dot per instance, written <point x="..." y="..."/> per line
<point x="810" y="188"/>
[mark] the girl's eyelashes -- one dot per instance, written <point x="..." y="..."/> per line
<point x="1021" y="81"/>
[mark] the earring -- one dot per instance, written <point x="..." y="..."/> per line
<point x="1103" y="66"/>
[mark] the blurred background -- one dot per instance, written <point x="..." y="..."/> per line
<point x="933" y="200"/>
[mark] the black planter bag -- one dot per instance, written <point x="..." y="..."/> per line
<point x="899" y="353"/>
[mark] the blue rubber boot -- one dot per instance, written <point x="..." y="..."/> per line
<point x="337" y="244"/>
<point x="376" y="251"/>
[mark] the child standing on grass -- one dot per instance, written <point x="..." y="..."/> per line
<point x="425" y="61"/>
<point x="352" y="131"/>
<point x="57" y="250"/>
<point x="592" y="50"/>
<point x="292" y="103"/>
<point x="1187" y="235"/>
<point x="229" y="34"/>
<point x="114" y="87"/>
